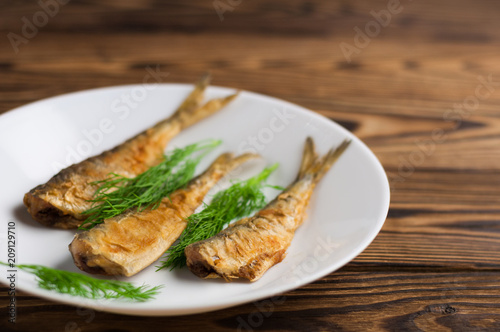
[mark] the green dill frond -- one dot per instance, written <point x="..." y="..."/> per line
<point x="236" y="202"/>
<point x="117" y="193"/>
<point x="81" y="285"/>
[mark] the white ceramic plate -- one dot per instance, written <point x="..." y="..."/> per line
<point x="347" y="210"/>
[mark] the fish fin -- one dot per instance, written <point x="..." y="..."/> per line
<point x="317" y="167"/>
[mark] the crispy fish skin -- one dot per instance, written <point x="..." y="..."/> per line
<point x="126" y="244"/>
<point x="249" y="247"/>
<point x="60" y="202"/>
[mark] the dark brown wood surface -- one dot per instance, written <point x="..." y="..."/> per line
<point x="413" y="94"/>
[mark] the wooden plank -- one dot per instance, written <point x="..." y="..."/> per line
<point x="351" y="299"/>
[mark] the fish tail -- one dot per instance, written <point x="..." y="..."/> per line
<point x="195" y="98"/>
<point x="315" y="166"/>
<point x="227" y="161"/>
<point x="192" y="110"/>
<point x="190" y="117"/>
<point x="220" y="168"/>
<point x="309" y="156"/>
<point x="192" y="102"/>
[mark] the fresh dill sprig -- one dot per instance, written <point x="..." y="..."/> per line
<point x="117" y="193"/>
<point x="77" y="284"/>
<point x="236" y="202"/>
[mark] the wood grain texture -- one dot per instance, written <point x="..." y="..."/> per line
<point x="435" y="265"/>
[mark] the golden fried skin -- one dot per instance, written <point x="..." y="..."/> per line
<point x="126" y="244"/>
<point x="60" y="202"/>
<point x="249" y="247"/>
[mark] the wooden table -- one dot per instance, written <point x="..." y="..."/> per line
<point x="415" y="89"/>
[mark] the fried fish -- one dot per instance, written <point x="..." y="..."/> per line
<point x="61" y="201"/>
<point x="249" y="247"/>
<point x="126" y="244"/>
